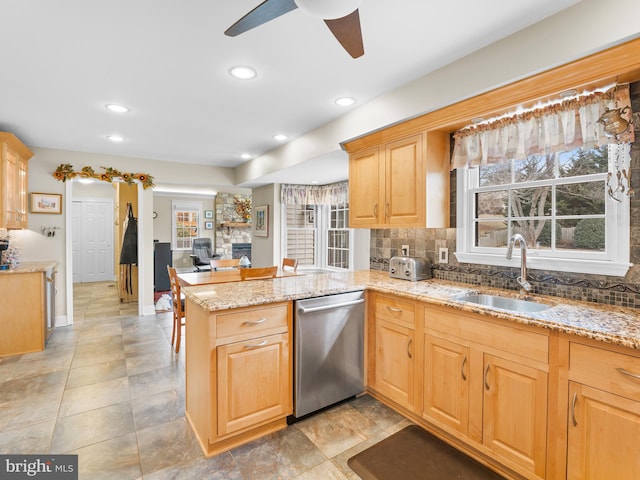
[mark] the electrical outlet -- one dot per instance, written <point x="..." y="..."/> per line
<point x="184" y="261"/>
<point x="443" y="255"/>
<point x="405" y="250"/>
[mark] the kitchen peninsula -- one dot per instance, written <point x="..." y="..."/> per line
<point x="239" y="370"/>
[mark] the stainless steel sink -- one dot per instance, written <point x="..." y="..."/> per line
<point x="504" y="303"/>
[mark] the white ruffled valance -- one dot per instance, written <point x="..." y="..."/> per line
<point x="552" y="128"/>
<point x="334" y="194"/>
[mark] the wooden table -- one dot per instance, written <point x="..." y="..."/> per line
<point x="220" y="276"/>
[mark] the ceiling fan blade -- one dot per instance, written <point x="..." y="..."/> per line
<point x="347" y="31"/>
<point x="266" y="11"/>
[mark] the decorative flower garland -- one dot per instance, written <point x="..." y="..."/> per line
<point x="65" y="171"/>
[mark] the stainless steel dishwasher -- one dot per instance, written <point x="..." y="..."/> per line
<point x="328" y="350"/>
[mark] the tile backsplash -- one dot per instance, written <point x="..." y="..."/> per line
<point x="425" y="242"/>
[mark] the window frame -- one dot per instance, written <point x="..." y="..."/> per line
<point x="184" y="206"/>
<point x="322" y="222"/>
<point x="614" y="261"/>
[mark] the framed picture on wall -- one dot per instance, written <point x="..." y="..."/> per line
<point x="46" y="203"/>
<point x="208" y="214"/>
<point x="262" y="221"/>
<point x="208" y="225"/>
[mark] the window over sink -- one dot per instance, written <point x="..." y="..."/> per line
<point x="561" y="203"/>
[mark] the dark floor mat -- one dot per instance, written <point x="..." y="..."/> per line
<point x="414" y="454"/>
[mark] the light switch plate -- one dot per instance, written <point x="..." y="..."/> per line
<point x="405" y="250"/>
<point x="443" y="255"/>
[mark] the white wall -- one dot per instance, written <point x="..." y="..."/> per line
<point x="265" y="251"/>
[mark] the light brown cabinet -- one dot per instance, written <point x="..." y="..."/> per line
<point x="14" y="157"/>
<point x="487" y="380"/>
<point x="401" y="183"/>
<point x="239" y="373"/>
<point x="394" y="372"/>
<point x="514" y="417"/>
<point x="446" y="383"/>
<point x="604" y="414"/>
<point x="27" y="319"/>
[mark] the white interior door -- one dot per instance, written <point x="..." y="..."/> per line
<point x="93" y="226"/>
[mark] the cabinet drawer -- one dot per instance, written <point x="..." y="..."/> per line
<point x="395" y="309"/>
<point x="610" y="371"/>
<point x="252" y="322"/>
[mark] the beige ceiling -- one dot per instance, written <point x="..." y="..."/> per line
<point x="168" y="61"/>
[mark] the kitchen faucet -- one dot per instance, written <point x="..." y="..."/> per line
<point x="522" y="279"/>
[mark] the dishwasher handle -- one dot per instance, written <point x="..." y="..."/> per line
<point x="329" y="307"/>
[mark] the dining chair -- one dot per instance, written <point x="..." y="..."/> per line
<point x="290" y="264"/>
<point x="224" y="263"/>
<point x="258" y="273"/>
<point x="177" y="300"/>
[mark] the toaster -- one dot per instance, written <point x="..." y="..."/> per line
<point x="410" y="268"/>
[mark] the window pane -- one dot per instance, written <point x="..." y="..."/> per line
<point x="498" y="174"/>
<point x="531" y="202"/>
<point x="577" y="162"/>
<point x="587" y="234"/>
<point x="491" y="234"/>
<point x="581" y="199"/>
<point x="537" y="233"/>
<point x="535" y="167"/>
<point x="492" y="204"/>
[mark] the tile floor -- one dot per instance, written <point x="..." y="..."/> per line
<point x="110" y="389"/>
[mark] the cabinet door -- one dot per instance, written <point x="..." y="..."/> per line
<point x="366" y="189"/>
<point x="405" y="182"/>
<point x="394" y="362"/>
<point x="515" y="413"/>
<point x="10" y="187"/>
<point x="446" y="384"/>
<point x="253" y="382"/>
<point x="603" y="435"/>
<point x="21" y="194"/>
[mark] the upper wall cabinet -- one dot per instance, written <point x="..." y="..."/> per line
<point x="401" y="182"/>
<point x="13" y="178"/>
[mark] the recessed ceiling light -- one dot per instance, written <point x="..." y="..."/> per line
<point x="115" y="138"/>
<point x="345" y="101"/>
<point x="314" y="182"/>
<point x="116" y="108"/>
<point x="243" y="73"/>
<point x="478" y="120"/>
<point x="280" y="137"/>
<point x="246" y="156"/>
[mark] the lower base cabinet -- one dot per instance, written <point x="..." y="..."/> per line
<point x="253" y="386"/>
<point x="603" y="422"/>
<point x="238" y="373"/>
<point x="514" y="420"/>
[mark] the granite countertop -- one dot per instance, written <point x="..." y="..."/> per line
<point x="614" y="325"/>
<point x="30" y="267"/>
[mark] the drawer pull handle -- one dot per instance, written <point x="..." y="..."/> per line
<point x="486" y="374"/>
<point x="257" y="345"/>
<point x="628" y="373"/>
<point x="464" y="362"/>
<point x="409" y="347"/>
<point x="573" y="409"/>
<point x="255" y="322"/>
<point x="394" y="309"/>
